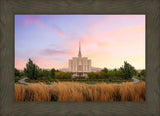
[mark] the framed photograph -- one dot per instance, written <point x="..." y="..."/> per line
<point x="80" y="57"/>
<point x="102" y="58"/>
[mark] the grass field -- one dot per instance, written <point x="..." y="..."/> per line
<point x="87" y="81"/>
<point x="140" y="78"/>
<point x="71" y="91"/>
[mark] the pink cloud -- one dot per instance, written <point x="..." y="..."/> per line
<point x="20" y="64"/>
<point x="105" y="47"/>
<point x="36" y="21"/>
<point x="58" y="31"/>
<point x="114" y="21"/>
<point x="125" y="32"/>
<point x="33" y="20"/>
<point x="104" y="38"/>
<point x="43" y="62"/>
<point x="56" y="52"/>
<point x="49" y="63"/>
<point x="61" y="35"/>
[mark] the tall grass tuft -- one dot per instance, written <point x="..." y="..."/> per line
<point x="71" y="91"/>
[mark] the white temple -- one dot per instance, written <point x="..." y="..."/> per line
<point x="80" y="66"/>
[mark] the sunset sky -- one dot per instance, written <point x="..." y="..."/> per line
<point x="108" y="40"/>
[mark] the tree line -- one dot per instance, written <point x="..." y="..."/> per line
<point x="127" y="71"/>
<point x="32" y="71"/>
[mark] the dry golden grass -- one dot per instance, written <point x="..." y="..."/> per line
<point x="70" y="91"/>
<point x="32" y="92"/>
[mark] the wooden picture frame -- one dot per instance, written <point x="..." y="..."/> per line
<point x="8" y="106"/>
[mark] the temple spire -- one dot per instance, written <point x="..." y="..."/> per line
<point x="79" y="54"/>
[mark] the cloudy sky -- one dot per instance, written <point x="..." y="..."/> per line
<point x="108" y="40"/>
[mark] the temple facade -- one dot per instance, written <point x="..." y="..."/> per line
<point x="80" y="66"/>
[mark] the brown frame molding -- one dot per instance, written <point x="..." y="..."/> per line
<point x="8" y="8"/>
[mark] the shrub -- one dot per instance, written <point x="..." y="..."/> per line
<point x="93" y="75"/>
<point x="111" y="73"/>
<point x="31" y="70"/>
<point x="63" y="75"/>
<point x="16" y="73"/>
<point x="142" y="73"/>
<point x="128" y="70"/>
<point x="52" y="73"/>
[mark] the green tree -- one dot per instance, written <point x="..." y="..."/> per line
<point x="115" y="70"/>
<point x="105" y="70"/>
<point x="128" y="70"/>
<point x="67" y="75"/>
<point x="31" y="70"/>
<point x="143" y="72"/>
<point x="93" y="75"/>
<point x="52" y="73"/>
<point x="22" y="73"/>
<point x="40" y="73"/>
<point x="45" y="73"/>
<point x="103" y="75"/>
<point x="120" y="73"/>
<point x="57" y="70"/>
<point x="63" y="75"/>
<point x="58" y="75"/>
<point x="17" y="72"/>
<point x="111" y="73"/>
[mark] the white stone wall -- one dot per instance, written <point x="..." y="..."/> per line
<point x="80" y="65"/>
